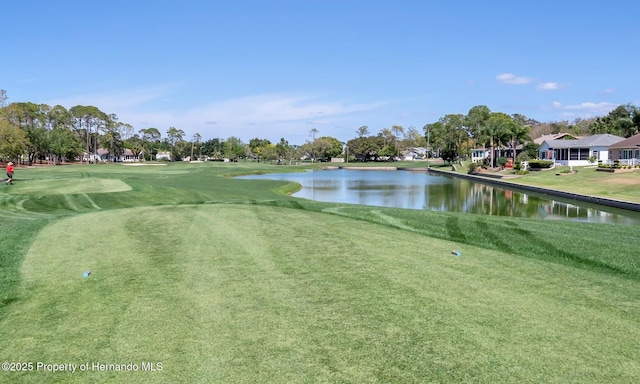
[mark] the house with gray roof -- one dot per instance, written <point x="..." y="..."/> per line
<point x="577" y="152"/>
<point x="556" y="136"/>
<point x="626" y="151"/>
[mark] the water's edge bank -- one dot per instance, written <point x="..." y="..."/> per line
<point x="552" y="192"/>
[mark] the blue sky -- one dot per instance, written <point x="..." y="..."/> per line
<point x="279" y="68"/>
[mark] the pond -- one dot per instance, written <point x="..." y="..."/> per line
<point x="421" y="190"/>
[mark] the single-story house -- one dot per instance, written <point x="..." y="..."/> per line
<point x="126" y="156"/>
<point x="578" y="152"/>
<point x="163" y="156"/>
<point x="91" y="157"/>
<point x="478" y="155"/>
<point x="556" y="136"/>
<point x="415" y="153"/>
<point x="626" y="151"/>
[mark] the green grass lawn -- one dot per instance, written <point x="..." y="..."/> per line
<point x="225" y="280"/>
<point x="623" y="186"/>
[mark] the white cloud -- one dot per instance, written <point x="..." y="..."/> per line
<point x="272" y="108"/>
<point x="320" y="122"/>
<point x="510" y="78"/>
<point x="265" y="115"/>
<point x="608" y="90"/>
<point x="113" y="102"/>
<point x="587" y="109"/>
<point x="548" y="86"/>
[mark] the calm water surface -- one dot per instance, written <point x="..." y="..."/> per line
<point x="419" y="190"/>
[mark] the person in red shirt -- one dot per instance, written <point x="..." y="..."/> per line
<point x="10" y="173"/>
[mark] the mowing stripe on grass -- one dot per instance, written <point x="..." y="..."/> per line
<point x="93" y="203"/>
<point x="250" y="293"/>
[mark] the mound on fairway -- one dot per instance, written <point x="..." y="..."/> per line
<point x="67" y="186"/>
<point x="249" y="293"/>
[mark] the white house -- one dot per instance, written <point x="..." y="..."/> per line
<point x="163" y="156"/>
<point x="92" y="157"/>
<point x="577" y="152"/>
<point x="128" y="156"/>
<point x="478" y="155"/>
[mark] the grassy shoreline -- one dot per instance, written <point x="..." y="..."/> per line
<point x="233" y="280"/>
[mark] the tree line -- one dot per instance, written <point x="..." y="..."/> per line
<point x="454" y="135"/>
<point x="39" y="132"/>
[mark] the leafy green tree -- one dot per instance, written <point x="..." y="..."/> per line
<point x="114" y="143"/>
<point x="13" y="140"/>
<point x="195" y="144"/>
<point x="234" y="148"/>
<point x="389" y="147"/>
<point x="436" y="137"/>
<point x="87" y="122"/>
<point x="476" y="121"/>
<point x="498" y="127"/>
<point x="38" y="143"/>
<point x="58" y="117"/>
<point x="449" y="155"/>
<point x="213" y="148"/>
<point x="413" y="139"/>
<point x="456" y="134"/>
<point x="284" y="150"/>
<point x="366" y="148"/>
<point x="113" y="137"/>
<point x="181" y="149"/>
<point x="149" y="136"/>
<point x="281" y="148"/>
<point x="398" y="134"/>
<point x="63" y="144"/>
<point x="517" y="133"/>
<point x="259" y="148"/>
<point x="363" y="131"/>
<point x="531" y="149"/>
<point x="31" y="118"/>
<point x="326" y="147"/>
<point x="268" y="152"/>
<point x="134" y="143"/>
<point x="623" y="121"/>
<point x="174" y="136"/>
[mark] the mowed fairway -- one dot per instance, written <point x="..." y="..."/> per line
<point x="244" y="288"/>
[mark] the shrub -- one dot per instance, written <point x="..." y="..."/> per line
<point x="522" y="156"/>
<point x="472" y="167"/>
<point x="502" y="161"/>
<point x="540" y="164"/>
<point x="522" y="172"/>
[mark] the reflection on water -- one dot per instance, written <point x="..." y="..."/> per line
<point x="419" y="190"/>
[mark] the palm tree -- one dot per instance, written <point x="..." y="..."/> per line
<point x="518" y="133"/>
<point x="497" y="126"/>
<point x="313" y="133"/>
